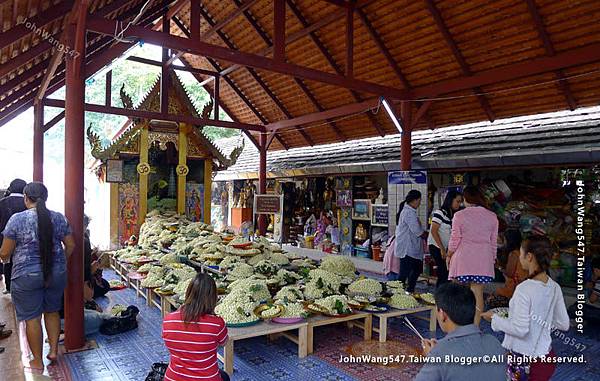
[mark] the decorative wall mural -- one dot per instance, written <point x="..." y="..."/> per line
<point x="129" y="197"/>
<point x="194" y="201"/>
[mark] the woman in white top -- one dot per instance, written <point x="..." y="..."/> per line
<point x="441" y="226"/>
<point x="536" y="309"/>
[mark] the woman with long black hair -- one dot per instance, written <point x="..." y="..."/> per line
<point x="441" y="226"/>
<point x="35" y="239"/>
<point x="409" y="235"/>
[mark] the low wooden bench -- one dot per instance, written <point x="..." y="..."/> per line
<point x="265" y="329"/>
<point x="321" y="320"/>
<point x="384" y="316"/>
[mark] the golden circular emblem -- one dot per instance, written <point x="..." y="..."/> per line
<point x="346" y="231"/>
<point x="143" y="168"/>
<point x="346" y="214"/>
<point x="182" y="170"/>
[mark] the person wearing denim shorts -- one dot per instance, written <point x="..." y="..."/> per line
<point x="35" y="238"/>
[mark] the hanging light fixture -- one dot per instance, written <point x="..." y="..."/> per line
<point x="391" y="114"/>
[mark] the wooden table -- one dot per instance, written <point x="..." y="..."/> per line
<point x="321" y="320"/>
<point x="264" y="329"/>
<point x="384" y="316"/>
<point x="167" y="305"/>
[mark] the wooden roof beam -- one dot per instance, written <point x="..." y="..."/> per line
<point x="315" y="39"/>
<point x="339" y="3"/>
<point x="14" y="110"/>
<point x="35" y="24"/>
<point x="437" y="16"/>
<point x="334" y="16"/>
<point x="233" y="86"/>
<point x="16" y="95"/>
<point x="174" y="67"/>
<point x="54" y="120"/>
<point x="562" y="83"/>
<point x="217" y="27"/>
<point x="563" y="60"/>
<point x="23" y="77"/>
<point x="102" y="59"/>
<point x="171" y="12"/>
<point x="382" y="48"/>
<point x="318" y="106"/>
<point x="199" y="48"/>
<point x="250" y="18"/>
<point x="279" y="30"/>
<point x="421" y="112"/>
<point x="224" y="38"/>
<point x="158" y="115"/>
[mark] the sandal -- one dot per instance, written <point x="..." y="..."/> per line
<point x="52" y="358"/>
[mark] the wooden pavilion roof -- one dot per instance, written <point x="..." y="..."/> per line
<point x="455" y="61"/>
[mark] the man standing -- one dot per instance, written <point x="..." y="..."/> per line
<point x="464" y="342"/>
<point x="11" y="204"/>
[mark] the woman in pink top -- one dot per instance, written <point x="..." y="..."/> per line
<point x="472" y="246"/>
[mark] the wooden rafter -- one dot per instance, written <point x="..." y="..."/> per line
<point x="437" y="16"/>
<point x="233" y="86"/>
<point x="250" y="18"/>
<point x="350" y="42"/>
<point x="562" y="83"/>
<point x="318" y="106"/>
<point x="332" y="17"/>
<point x="382" y="48"/>
<point x="18" y="32"/>
<point x="215" y="28"/>
<point x="279" y="30"/>
<point x="388" y="56"/>
<point x="315" y="39"/>
<point x="23" y="77"/>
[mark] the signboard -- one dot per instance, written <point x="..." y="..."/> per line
<point x="344" y="198"/>
<point x="380" y="214"/>
<point x="399" y="184"/>
<point x="194" y="201"/>
<point x="114" y="171"/>
<point x="407" y="177"/>
<point x="268" y="204"/>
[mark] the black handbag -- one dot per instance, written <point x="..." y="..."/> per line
<point x="158" y="372"/>
<point x="120" y="324"/>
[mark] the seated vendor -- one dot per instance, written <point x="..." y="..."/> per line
<point x="513" y="271"/>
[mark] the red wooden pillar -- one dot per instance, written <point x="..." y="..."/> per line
<point x="164" y="76"/>
<point x="405" y="142"/>
<point x="262" y="181"/>
<point x="74" y="185"/>
<point x="38" y="142"/>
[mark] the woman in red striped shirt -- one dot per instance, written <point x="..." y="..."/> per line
<point x="193" y="333"/>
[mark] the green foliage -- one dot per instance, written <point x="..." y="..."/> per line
<point x="138" y="79"/>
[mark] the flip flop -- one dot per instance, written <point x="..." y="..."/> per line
<point x="2" y="349"/>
